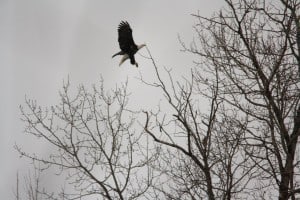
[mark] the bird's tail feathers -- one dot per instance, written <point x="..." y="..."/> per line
<point x="125" y="57"/>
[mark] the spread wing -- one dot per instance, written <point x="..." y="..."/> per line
<point x="125" y="37"/>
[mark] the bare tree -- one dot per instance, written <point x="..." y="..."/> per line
<point x="255" y="46"/>
<point x="31" y="184"/>
<point x="247" y="143"/>
<point x="93" y="142"/>
<point x="203" y="155"/>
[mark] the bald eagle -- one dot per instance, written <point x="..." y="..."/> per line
<point x="127" y="45"/>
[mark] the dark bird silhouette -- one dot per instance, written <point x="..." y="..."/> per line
<point x="127" y="45"/>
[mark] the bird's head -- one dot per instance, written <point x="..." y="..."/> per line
<point x="141" y="46"/>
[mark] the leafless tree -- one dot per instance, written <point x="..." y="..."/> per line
<point x="203" y="156"/>
<point x="246" y="146"/>
<point x="94" y="143"/>
<point x="31" y="188"/>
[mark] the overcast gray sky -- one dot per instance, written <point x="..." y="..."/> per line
<point x="42" y="42"/>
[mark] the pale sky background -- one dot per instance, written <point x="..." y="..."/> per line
<point x="43" y="42"/>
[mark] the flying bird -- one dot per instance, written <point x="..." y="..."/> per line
<point x="127" y="45"/>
